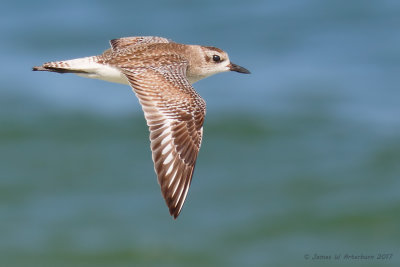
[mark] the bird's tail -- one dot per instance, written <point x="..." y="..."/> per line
<point x="83" y="65"/>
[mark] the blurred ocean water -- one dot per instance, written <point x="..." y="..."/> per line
<point x="300" y="158"/>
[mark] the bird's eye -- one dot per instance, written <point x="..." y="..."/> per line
<point x="216" y="58"/>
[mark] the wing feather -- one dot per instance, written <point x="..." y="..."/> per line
<point x="174" y="113"/>
<point x="126" y="42"/>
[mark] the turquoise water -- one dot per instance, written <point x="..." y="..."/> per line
<point x="299" y="158"/>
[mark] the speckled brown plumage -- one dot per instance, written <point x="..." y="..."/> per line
<point x="161" y="73"/>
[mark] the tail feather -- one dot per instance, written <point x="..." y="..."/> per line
<point x="58" y="70"/>
<point x="88" y="67"/>
<point x="79" y="65"/>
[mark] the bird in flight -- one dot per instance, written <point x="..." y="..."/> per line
<point x="161" y="73"/>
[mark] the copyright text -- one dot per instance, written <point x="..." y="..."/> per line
<point x="348" y="257"/>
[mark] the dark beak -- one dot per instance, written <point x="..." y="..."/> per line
<point x="237" y="68"/>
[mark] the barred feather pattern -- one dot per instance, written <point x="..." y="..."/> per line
<point x="174" y="113"/>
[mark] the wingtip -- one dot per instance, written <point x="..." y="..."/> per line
<point x="174" y="213"/>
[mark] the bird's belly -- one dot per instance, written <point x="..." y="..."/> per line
<point x="106" y="73"/>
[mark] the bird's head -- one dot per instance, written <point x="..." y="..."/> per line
<point x="210" y="61"/>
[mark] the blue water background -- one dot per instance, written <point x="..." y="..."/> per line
<point x="301" y="157"/>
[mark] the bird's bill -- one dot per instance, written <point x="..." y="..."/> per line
<point x="237" y="68"/>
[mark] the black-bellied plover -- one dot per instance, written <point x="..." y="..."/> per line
<point x="161" y="73"/>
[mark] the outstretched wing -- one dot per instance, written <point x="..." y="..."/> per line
<point x="174" y="113"/>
